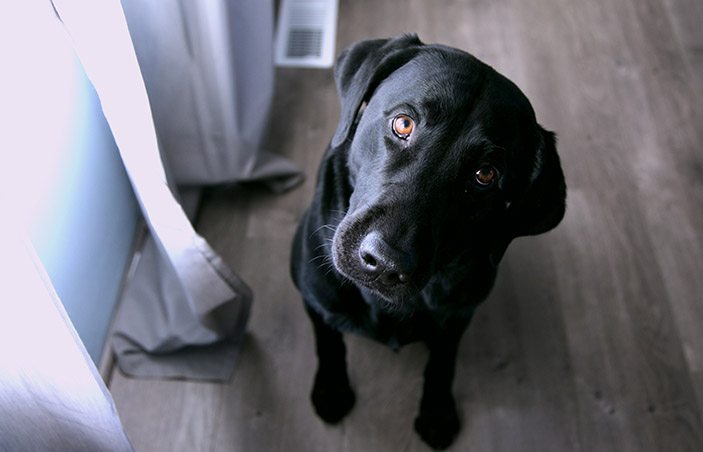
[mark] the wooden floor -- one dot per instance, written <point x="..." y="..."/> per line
<point x="593" y="337"/>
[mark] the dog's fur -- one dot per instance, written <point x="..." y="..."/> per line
<point x="401" y="243"/>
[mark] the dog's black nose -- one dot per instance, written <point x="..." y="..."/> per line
<point x="387" y="265"/>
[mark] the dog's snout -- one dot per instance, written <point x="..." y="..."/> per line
<point x="385" y="264"/>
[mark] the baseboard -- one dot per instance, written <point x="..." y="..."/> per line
<point x="106" y="366"/>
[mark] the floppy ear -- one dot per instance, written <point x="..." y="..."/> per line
<point x="541" y="206"/>
<point x="359" y="70"/>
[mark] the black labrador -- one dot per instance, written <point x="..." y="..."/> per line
<point x="436" y="165"/>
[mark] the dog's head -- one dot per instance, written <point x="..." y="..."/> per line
<point x="446" y="161"/>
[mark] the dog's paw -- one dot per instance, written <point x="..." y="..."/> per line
<point x="332" y="398"/>
<point x="438" y="427"/>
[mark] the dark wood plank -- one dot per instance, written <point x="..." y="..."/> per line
<point x="591" y="339"/>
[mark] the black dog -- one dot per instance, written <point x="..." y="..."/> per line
<point x="436" y="165"/>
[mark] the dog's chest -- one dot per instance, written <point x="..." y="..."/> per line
<point x="366" y="315"/>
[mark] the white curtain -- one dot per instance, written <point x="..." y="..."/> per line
<point x="207" y="70"/>
<point x="51" y="395"/>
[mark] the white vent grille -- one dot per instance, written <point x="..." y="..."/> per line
<point x="306" y="33"/>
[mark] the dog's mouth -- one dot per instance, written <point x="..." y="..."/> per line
<point x="395" y="297"/>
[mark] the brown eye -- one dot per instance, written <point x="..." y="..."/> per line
<point x="486" y="175"/>
<point x="403" y="126"/>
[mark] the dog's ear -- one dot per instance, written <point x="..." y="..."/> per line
<point x="541" y="206"/>
<point x="359" y="70"/>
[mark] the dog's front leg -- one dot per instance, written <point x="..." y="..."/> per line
<point x="331" y="395"/>
<point x="438" y="422"/>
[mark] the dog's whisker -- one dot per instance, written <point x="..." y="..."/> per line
<point x="319" y="247"/>
<point x="322" y="256"/>
<point x="327" y="226"/>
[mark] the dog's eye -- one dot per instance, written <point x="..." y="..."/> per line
<point x="486" y="175"/>
<point x="403" y="126"/>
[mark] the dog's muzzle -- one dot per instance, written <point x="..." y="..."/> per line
<point x="383" y="264"/>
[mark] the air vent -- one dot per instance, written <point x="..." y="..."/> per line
<point x="306" y="33"/>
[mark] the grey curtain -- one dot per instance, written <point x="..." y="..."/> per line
<point x="208" y="71"/>
<point x="206" y="68"/>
